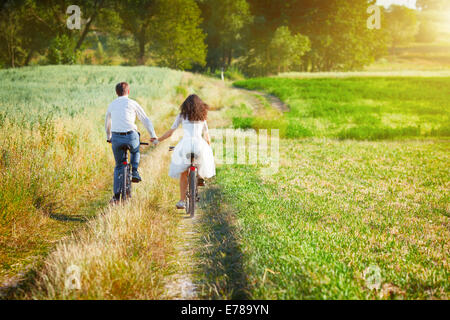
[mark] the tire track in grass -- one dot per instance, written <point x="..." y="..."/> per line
<point x="221" y="273"/>
<point x="181" y="285"/>
<point x="274" y="101"/>
<point x="208" y="260"/>
<point x="209" y="257"/>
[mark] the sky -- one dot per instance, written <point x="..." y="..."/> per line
<point x="387" y="3"/>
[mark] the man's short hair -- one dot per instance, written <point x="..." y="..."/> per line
<point x="122" y="88"/>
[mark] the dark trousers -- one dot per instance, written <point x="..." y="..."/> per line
<point x="118" y="143"/>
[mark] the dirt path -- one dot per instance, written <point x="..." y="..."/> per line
<point x="271" y="99"/>
<point x="181" y="286"/>
<point x="204" y="240"/>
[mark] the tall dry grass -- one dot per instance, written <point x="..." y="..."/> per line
<point x="128" y="252"/>
<point x="46" y="172"/>
<point x="125" y="253"/>
<point x="55" y="165"/>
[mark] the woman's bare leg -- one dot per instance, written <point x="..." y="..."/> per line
<point x="183" y="185"/>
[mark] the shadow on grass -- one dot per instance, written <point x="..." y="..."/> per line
<point x="222" y="272"/>
<point x="17" y="287"/>
<point x="68" y="217"/>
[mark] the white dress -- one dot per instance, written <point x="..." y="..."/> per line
<point x="192" y="142"/>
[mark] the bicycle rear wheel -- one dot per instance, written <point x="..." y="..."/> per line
<point x="192" y="192"/>
<point x="123" y="188"/>
<point x="128" y="182"/>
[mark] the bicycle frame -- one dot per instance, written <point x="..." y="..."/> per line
<point x="192" y="190"/>
<point x="125" y="175"/>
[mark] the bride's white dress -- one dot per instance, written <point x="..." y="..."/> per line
<point x="192" y="142"/>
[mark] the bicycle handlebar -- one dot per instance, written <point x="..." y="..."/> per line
<point x="142" y="143"/>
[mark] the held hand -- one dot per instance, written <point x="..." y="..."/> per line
<point x="109" y="141"/>
<point x="154" y="141"/>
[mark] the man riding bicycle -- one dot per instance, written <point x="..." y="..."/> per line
<point x="121" y="132"/>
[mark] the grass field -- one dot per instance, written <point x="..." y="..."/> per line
<point x="356" y="108"/>
<point x="55" y="165"/>
<point x="416" y="56"/>
<point x="363" y="181"/>
<point x="334" y="209"/>
<point x="338" y="206"/>
<point x="56" y="173"/>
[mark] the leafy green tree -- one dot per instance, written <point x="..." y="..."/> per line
<point x="45" y="20"/>
<point x="178" y="39"/>
<point x="267" y="16"/>
<point x="11" y="51"/>
<point x="91" y="10"/>
<point x="286" y="49"/>
<point x="401" y="24"/>
<point x="340" y="39"/>
<point x="62" y="51"/>
<point x="136" y="20"/>
<point x="226" y="25"/>
<point x="33" y="26"/>
<point x="27" y="27"/>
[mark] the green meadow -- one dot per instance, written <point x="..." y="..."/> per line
<point x="366" y="108"/>
<point x="363" y="183"/>
<point x="334" y="209"/>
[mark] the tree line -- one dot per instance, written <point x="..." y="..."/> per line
<point x="258" y="36"/>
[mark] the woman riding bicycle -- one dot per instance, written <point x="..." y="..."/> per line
<point x="195" y="140"/>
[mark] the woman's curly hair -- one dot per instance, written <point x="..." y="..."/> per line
<point x="194" y="109"/>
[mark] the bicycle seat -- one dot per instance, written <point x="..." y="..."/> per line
<point x="191" y="155"/>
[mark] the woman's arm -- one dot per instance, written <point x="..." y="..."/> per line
<point x="169" y="132"/>
<point x="206" y="137"/>
<point x="166" y="135"/>
<point x="206" y="134"/>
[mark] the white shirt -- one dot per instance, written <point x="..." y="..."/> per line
<point x="121" y="117"/>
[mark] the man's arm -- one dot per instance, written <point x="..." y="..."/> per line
<point x="108" y="125"/>
<point x="145" y="120"/>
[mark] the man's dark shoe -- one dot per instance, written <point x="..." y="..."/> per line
<point x="115" y="200"/>
<point x="135" y="177"/>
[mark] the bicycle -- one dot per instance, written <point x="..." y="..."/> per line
<point x="192" y="196"/>
<point x="125" y="174"/>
